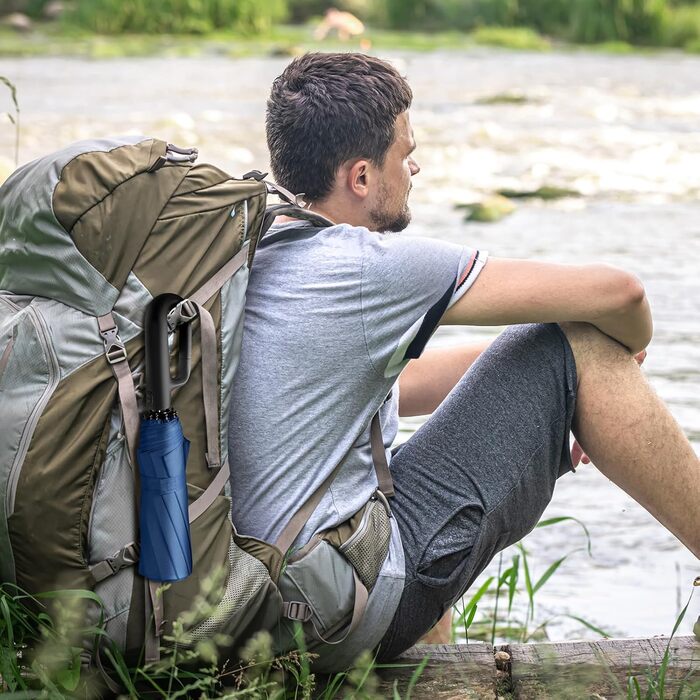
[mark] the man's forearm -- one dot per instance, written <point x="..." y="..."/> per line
<point x="427" y="380"/>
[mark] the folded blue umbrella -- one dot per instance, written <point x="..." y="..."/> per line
<point x="165" y="550"/>
<point x="165" y="547"/>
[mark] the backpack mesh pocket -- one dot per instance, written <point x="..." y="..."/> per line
<point x="247" y="579"/>
<point x="368" y="546"/>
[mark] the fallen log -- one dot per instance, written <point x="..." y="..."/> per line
<point x="599" y="669"/>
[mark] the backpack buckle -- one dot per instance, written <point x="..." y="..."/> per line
<point x="115" y="350"/>
<point x="128" y="556"/>
<point x="295" y="610"/>
<point x="184" y="312"/>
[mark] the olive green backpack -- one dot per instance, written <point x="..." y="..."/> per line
<point x="88" y="237"/>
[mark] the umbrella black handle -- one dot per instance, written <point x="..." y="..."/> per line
<point x="159" y="381"/>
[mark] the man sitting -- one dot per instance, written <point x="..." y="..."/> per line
<point x="337" y="321"/>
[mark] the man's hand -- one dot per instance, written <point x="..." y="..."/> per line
<point x="578" y="456"/>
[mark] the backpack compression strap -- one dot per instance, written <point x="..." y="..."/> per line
<point x="300" y="611"/>
<point x="115" y="354"/>
<point x="381" y="467"/>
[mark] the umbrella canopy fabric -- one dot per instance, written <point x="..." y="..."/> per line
<point x="166" y="552"/>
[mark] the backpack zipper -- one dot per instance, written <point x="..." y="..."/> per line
<point x="53" y="377"/>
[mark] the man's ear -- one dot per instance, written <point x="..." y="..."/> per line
<point x="358" y="178"/>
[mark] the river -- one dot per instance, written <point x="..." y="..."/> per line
<point x="624" y="131"/>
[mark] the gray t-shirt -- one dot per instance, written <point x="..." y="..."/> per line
<point x="332" y="317"/>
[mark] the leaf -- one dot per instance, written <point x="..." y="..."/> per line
<point x="416" y="675"/>
<point x="548" y="574"/>
<point x="515" y="568"/>
<point x="528" y="581"/>
<point x="470" y="617"/>
<point x="633" y="686"/>
<point x="13" y="90"/>
<point x="590" y="625"/>
<point x="69" y="678"/>
<point x="475" y="599"/>
<point x="5" y="608"/>
<point x="564" y="518"/>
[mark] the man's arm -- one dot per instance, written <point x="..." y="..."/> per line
<point x="427" y="380"/>
<point x="523" y="291"/>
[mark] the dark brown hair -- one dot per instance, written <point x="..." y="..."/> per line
<point x="327" y="108"/>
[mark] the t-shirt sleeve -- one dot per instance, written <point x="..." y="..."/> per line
<point x="407" y="285"/>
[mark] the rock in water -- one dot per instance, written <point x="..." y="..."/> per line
<point x="546" y="192"/>
<point x="492" y="208"/>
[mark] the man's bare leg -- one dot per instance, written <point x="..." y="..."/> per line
<point x="630" y="435"/>
<point x="441" y="633"/>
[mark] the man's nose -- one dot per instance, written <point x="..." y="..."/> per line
<point x="415" y="168"/>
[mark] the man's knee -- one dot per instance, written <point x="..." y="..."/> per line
<point x="591" y="346"/>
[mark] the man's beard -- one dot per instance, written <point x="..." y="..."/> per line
<point x="385" y="222"/>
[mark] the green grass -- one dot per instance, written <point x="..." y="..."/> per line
<point x="284" y="40"/>
<point x="498" y="595"/>
<point x="40" y="657"/>
<point x="515" y="38"/>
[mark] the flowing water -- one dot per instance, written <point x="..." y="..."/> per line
<point x="624" y="131"/>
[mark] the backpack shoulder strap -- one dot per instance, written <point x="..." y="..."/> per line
<point x="271" y="213"/>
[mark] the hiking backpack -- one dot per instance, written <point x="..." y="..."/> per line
<point x="88" y="237"/>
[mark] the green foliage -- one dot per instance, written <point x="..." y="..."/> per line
<point x="517" y="581"/>
<point x="455" y="14"/>
<point x="43" y="638"/>
<point x="656" y="678"/>
<point x="636" y="21"/>
<point x="585" y="21"/>
<point x="516" y="38"/>
<point x="546" y="16"/>
<point x="177" y="16"/>
<point x="682" y="27"/>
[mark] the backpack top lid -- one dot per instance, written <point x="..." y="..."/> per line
<point x="72" y="223"/>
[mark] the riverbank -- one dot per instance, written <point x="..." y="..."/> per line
<point x="51" y="39"/>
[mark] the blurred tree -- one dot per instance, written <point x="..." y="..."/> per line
<point x="177" y="16"/>
<point x="450" y="14"/>
<point x="636" y="21"/>
<point x="7" y="6"/>
<point x="547" y="16"/>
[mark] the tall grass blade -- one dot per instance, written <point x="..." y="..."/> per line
<point x="564" y="518"/>
<point x="661" y="675"/>
<point x="15" y="120"/>
<point x="548" y="574"/>
<point x="589" y="625"/>
<point x="498" y="596"/>
<point x="528" y="583"/>
<point x="634" y="692"/>
<point x="513" y="581"/>
<point x="415" y="676"/>
<point x="475" y="599"/>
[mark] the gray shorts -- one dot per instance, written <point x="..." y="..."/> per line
<point x="478" y="474"/>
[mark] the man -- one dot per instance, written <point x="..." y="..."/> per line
<point x="336" y="315"/>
